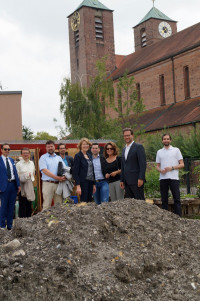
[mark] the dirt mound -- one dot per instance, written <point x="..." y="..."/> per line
<point x="126" y="250"/>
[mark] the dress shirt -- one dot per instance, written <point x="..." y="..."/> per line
<point x="65" y="161"/>
<point x="11" y="166"/>
<point x="97" y="168"/>
<point x="49" y="162"/>
<point x="127" y="150"/>
<point x="26" y="167"/>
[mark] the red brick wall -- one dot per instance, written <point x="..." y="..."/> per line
<point x="152" y="33"/>
<point x="149" y="80"/>
<point x="90" y="50"/>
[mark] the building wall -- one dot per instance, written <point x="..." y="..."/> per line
<point x="10" y="116"/>
<point x="148" y="79"/>
<point x="90" y="49"/>
<point x="152" y="33"/>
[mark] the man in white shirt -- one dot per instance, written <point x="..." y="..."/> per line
<point x="169" y="160"/>
<point x="26" y="172"/>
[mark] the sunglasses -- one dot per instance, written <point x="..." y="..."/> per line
<point x="110" y="148"/>
<point x="6" y="149"/>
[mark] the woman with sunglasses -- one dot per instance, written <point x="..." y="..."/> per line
<point x="112" y="171"/>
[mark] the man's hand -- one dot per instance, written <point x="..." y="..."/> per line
<point x="140" y="182"/>
<point x="94" y="189"/>
<point x="61" y="179"/>
<point x="19" y="189"/>
<point x="78" y="189"/>
<point x="122" y="185"/>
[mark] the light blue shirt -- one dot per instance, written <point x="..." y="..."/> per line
<point x="97" y="168"/>
<point x="51" y="163"/>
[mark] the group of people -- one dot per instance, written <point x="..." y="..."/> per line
<point x="98" y="176"/>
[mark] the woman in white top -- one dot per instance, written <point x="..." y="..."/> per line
<point x="26" y="172"/>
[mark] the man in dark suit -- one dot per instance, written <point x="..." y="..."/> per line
<point x="9" y="187"/>
<point x="68" y="160"/>
<point x="133" y="167"/>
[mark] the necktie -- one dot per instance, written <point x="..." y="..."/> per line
<point x="8" y="169"/>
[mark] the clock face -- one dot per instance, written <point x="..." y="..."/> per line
<point x="164" y="29"/>
<point x="75" y="21"/>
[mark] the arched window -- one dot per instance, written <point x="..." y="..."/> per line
<point x="143" y="37"/>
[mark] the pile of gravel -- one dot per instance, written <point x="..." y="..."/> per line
<point x="125" y="250"/>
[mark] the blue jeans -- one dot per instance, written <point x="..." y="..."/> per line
<point x="102" y="192"/>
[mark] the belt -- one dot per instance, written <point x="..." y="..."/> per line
<point x="54" y="182"/>
<point x="100" y="180"/>
<point x="11" y="181"/>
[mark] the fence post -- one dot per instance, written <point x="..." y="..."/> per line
<point x="187" y="168"/>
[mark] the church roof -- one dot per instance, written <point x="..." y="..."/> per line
<point x="93" y="4"/>
<point x="178" y="43"/>
<point x="184" y="112"/>
<point x="155" y="14"/>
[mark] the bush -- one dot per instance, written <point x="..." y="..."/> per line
<point x="152" y="185"/>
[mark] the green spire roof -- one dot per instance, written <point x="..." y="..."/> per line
<point x="155" y="14"/>
<point x="92" y="3"/>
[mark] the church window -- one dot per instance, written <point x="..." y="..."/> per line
<point x="186" y="81"/>
<point x="162" y="90"/>
<point x="99" y="28"/>
<point x="76" y="38"/>
<point x="138" y="91"/>
<point x="143" y="37"/>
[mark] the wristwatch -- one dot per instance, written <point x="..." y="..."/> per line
<point x="172" y="167"/>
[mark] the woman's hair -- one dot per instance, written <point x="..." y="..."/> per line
<point x="115" y="149"/>
<point x="81" y="142"/>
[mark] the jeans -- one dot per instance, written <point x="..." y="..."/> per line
<point x="174" y="187"/>
<point x="102" y="192"/>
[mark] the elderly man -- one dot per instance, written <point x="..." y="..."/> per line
<point x="26" y="172"/>
<point x="48" y="164"/>
<point x="9" y="187"/>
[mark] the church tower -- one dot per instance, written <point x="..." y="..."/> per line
<point x="91" y="37"/>
<point x="154" y="27"/>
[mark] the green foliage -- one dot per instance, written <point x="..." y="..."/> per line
<point x="84" y="108"/>
<point x="189" y="144"/>
<point x="197" y="171"/>
<point x="27" y="133"/>
<point x="152" y="185"/>
<point x="44" y="136"/>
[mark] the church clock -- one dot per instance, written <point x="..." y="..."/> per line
<point x="75" y="21"/>
<point x="165" y="29"/>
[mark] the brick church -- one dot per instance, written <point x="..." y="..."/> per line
<point x="165" y="64"/>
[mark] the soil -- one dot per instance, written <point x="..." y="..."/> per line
<point x="125" y="250"/>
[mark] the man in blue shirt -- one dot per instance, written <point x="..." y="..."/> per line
<point x="68" y="160"/>
<point x="48" y="164"/>
<point x="102" y="188"/>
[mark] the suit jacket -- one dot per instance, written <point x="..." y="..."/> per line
<point x="70" y="161"/>
<point x="80" y="168"/>
<point x="4" y="176"/>
<point x="134" y="167"/>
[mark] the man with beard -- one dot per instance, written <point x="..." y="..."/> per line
<point x="48" y="164"/>
<point x="169" y="160"/>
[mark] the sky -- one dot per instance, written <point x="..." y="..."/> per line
<point x="34" y="47"/>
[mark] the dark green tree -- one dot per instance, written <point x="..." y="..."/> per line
<point x="27" y="133"/>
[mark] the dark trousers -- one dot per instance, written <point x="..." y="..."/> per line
<point x="133" y="191"/>
<point x="25" y="208"/>
<point x="8" y="199"/>
<point x="86" y="191"/>
<point x="174" y="187"/>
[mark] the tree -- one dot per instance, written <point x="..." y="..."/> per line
<point x="27" y="133"/>
<point x="44" y="136"/>
<point x="84" y="108"/>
